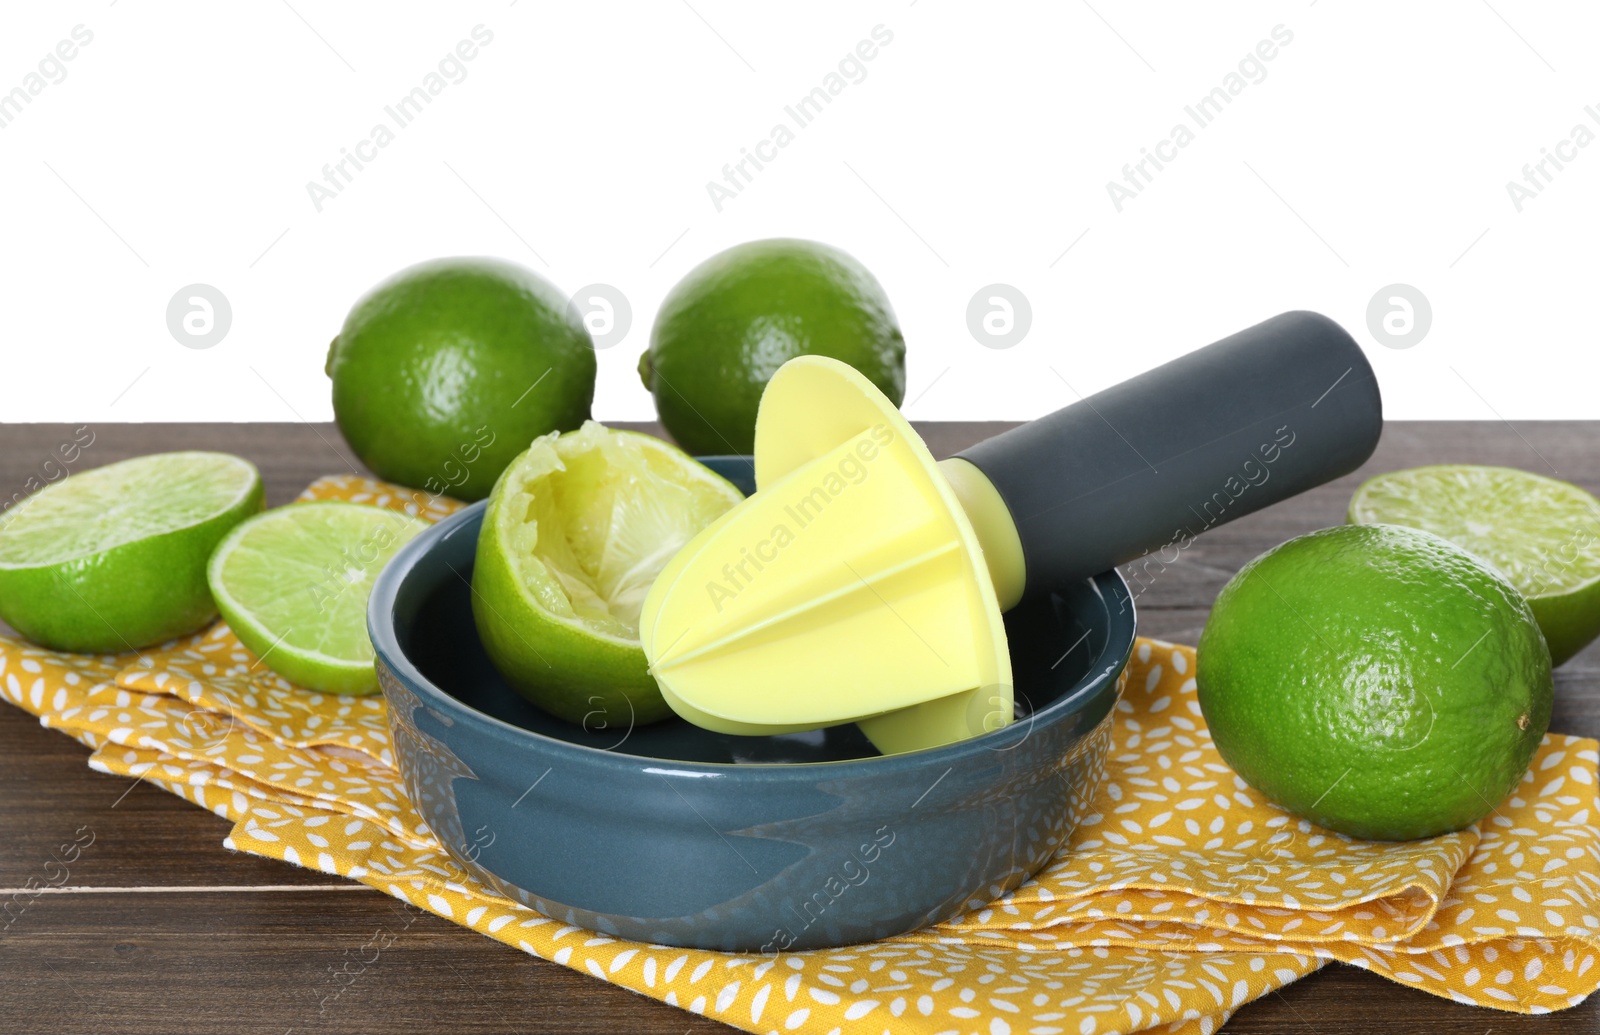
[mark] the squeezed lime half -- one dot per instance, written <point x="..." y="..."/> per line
<point x="576" y="532"/>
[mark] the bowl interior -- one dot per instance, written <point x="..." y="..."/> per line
<point x="1058" y="645"/>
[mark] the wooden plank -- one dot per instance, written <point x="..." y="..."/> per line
<point x="1348" y="1001"/>
<point x="142" y="836"/>
<point x="259" y="964"/>
<point x="246" y="962"/>
<point x="265" y="964"/>
<point x="289" y="455"/>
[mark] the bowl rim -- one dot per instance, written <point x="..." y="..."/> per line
<point x="1100" y="679"/>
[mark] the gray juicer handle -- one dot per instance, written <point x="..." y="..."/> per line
<point x="1154" y="461"/>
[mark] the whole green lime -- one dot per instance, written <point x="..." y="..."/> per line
<point x="446" y="371"/>
<point x="727" y="327"/>
<point x="1377" y="680"/>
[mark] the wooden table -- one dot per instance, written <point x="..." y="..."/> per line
<point x="162" y="930"/>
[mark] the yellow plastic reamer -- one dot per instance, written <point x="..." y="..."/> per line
<point x="864" y="581"/>
<point x="855" y="563"/>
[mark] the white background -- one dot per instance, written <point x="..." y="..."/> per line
<point x="977" y="150"/>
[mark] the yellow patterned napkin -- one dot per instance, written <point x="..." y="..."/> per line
<point x="1182" y="897"/>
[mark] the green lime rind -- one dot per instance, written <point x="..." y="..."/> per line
<point x="293" y="585"/>
<point x="575" y="532"/>
<point x="444" y="373"/>
<point x="114" y="558"/>
<point x="732" y="321"/>
<point x="1541" y="533"/>
<point x="1377" y="680"/>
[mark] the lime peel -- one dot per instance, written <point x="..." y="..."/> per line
<point x="114" y="558"/>
<point x="577" y="529"/>
<point x="293" y="585"/>
<point x="1541" y="533"/>
<point x="1377" y="680"/>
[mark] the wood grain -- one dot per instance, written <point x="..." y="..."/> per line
<point x="143" y="837"/>
<point x="114" y="956"/>
<point x="264" y="964"/>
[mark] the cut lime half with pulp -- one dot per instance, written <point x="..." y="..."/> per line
<point x="293" y="585"/>
<point x="114" y="559"/>
<point x="1542" y="534"/>
<point x="576" y="531"/>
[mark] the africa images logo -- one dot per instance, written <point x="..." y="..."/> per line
<point x="855" y="871"/>
<point x="802" y="510"/>
<point x="451" y="70"/>
<point x="51" y="71"/>
<point x="1251" y="70"/>
<point x="851" y="70"/>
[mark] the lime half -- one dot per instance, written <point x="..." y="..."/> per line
<point x="576" y="531"/>
<point x="114" y="558"/>
<point x="1542" y="534"/>
<point x="293" y="585"/>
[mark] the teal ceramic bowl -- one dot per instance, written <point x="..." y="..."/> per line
<point x="672" y="834"/>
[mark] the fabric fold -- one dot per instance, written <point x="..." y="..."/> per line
<point x="1182" y="896"/>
